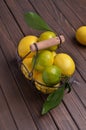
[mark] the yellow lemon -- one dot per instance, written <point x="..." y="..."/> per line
<point x="53" y="53"/>
<point x="81" y="35"/>
<point x="41" y="86"/>
<point x="24" y="45"/>
<point x="26" y="67"/>
<point x="65" y="63"/>
<point x="45" y="58"/>
<point x="47" y="35"/>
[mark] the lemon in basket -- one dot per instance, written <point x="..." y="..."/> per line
<point x="65" y="63"/>
<point x="52" y="75"/>
<point x="47" y="35"/>
<point x="26" y="67"/>
<point x="41" y="86"/>
<point x="43" y="59"/>
<point x="24" y="45"/>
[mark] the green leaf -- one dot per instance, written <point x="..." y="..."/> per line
<point x="53" y="100"/>
<point x="36" y="22"/>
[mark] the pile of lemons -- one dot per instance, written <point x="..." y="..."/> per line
<point x="47" y="67"/>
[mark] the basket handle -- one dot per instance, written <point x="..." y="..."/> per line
<point x="47" y="43"/>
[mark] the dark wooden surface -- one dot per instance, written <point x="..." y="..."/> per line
<point x="20" y="102"/>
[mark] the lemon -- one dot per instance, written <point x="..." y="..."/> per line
<point x="53" y="53"/>
<point x="51" y="75"/>
<point x="42" y="87"/>
<point x="26" y="67"/>
<point x="65" y="63"/>
<point x="81" y="35"/>
<point x="45" y="58"/>
<point x="47" y="35"/>
<point x="24" y="45"/>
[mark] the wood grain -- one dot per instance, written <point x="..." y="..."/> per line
<point x="6" y="119"/>
<point x="20" y="102"/>
<point x="22" y="116"/>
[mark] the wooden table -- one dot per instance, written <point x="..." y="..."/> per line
<point x="20" y="102"/>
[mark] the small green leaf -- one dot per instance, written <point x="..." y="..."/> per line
<point x="53" y="100"/>
<point x="36" y="22"/>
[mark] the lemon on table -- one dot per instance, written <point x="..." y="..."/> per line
<point x="65" y="63"/>
<point x="45" y="58"/>
<point x="47" y="35"/>
<point x="51" y="75"/>
<point x="42" y="87"/>
<point x="81" y="35"/>
<point x="24" y="45"/>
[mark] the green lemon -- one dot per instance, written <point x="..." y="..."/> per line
<point x="47" y="35"/>
<point x="41" y="86"/>
<point x="51" y="75"/>
<point x="45" y="58"/>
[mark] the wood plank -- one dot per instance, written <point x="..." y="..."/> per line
<point x="80" y="88"/>
<point x="16" y="103"/>
<point x="9" y="22"/>
<point x="6" y="119"/>
<point x="33" y="100"/>
<point x="18" y="15"/>
<point x="59" y="114"/>
<point x="76" y="109"/>
<point x="79" y="8"/>
<point x="69" y="15"/>
<point x="4" y="28"/>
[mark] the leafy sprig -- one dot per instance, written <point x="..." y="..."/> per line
<point x="55" y="98"/>
<point x="36" y="22"/>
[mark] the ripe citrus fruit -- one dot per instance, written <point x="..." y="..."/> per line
<point x="51" y="75"/>
<point x="45" y="58"/>
<point x="26" y="67"/>
<point x="53" y="53"/>
<point x="47" y="35"/>
<point x="65" y="63"/>
<point x="24" y="45"/>
<point x="42" y="87"/>
<point x="81" y="35"/>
